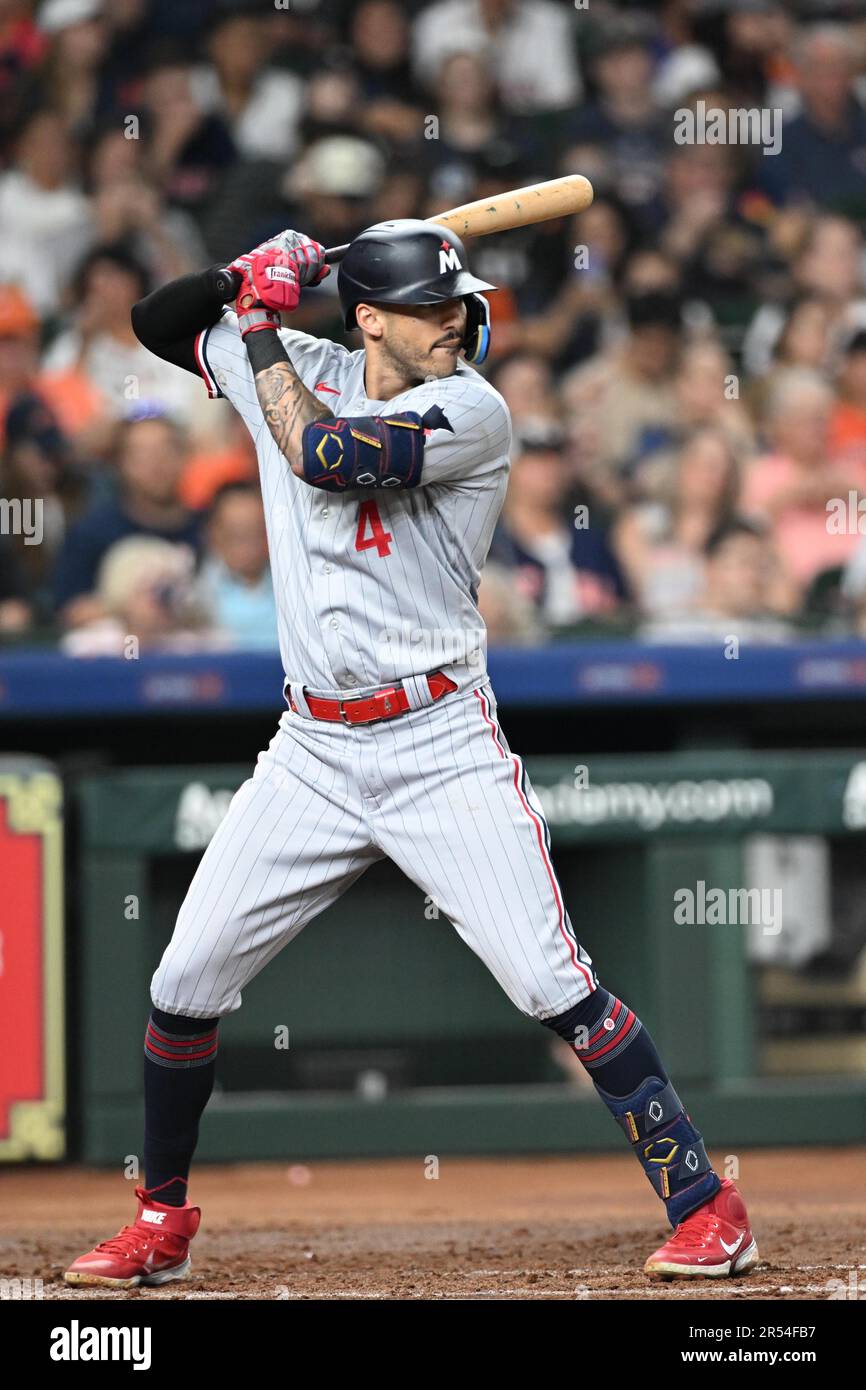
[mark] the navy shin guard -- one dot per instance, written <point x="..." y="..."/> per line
<point x="630" y="1078"/>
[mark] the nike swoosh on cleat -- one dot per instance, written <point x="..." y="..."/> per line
<point x="731" y="1249"/>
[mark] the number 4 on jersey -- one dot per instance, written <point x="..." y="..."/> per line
<point x="368" y="516"/>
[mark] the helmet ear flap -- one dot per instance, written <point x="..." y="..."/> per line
<point x="476" y="341"/>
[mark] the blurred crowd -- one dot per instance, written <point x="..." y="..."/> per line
<point x="685" y="362"/>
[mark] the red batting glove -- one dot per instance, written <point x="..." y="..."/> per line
<point x="273" y="275"/>
<point x="305" y="256"/>
<point x="269" y="287"/>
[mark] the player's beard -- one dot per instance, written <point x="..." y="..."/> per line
<point x="416" y="363"/>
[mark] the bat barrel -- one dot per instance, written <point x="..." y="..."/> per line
<point x="520" y="207"/>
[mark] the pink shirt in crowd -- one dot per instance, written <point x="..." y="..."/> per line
<point x="803" y="536"/>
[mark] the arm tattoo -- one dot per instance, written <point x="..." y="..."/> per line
<point x="288" y="408"/>
<point x="287" y="405"/>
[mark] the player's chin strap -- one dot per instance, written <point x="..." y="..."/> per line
<point x="476" y="342"/>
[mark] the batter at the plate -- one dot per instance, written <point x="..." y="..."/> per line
<point x="383" y="473"/>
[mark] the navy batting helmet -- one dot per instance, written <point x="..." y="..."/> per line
<point x="413" y="262"/>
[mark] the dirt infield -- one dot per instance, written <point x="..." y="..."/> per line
<point x="552" y="1228"/>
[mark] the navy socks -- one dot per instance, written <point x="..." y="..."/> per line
<point x="179" y="1066"/>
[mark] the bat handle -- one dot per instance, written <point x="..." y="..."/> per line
<point x="336" y="253"/>
<point x="226" y="284"/>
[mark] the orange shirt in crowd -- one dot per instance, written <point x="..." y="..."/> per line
<point x="68" y="395"/>
<point x="74" y="399"/>
<point x="848" y="436"/>
<point x="210" y="470"/>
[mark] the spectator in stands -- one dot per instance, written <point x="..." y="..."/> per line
<point x="189" y="148"/>
<point x="707" y="393"/>
<point x="22" y="49"/>
<point x="100" y="352"/>
<point x="806" y="336"/>
<point x="827" y="265"/>
<point x="557" y="550"/>
<point x="69" y="395"/>
<point x="848" y="421"/>
<point x="332" y="104"/>
<point x="336" y="178"/>
<point x="755" y="53"/>
<point x="235" y="581"/>
<point x="793" y="487"/>
<point x="471" y="126"/>
<point x="16" y="611"/>
<point x="400" y="194"/>
<point x="532" y="43"/>
<point x="260" y="104"/>
<point x="526" y="382"/>
<point x="145" y="601"/>
<point x="623" y="401"/>
<point x="78" y="39"/>
<point x="44" y="216"/>
<point x="152" y="454"/>
<point x="332" y="186"/>
<point x="824" y="149"/>
<point x="579" y="278"/>
<point x="127" y="207"/>
<point x="380" y="45"/>
<point x="39" y="470"/>
<point x="131" y="27"/>
<point x="659" y="540"/>
<point x="732" y="605"/>
<point x="208" y="469"/>
<point x="510" y="617"/>
<point x="700" y="181"/>
<point x="624" y="118"/>
<point x="19" y="347"/>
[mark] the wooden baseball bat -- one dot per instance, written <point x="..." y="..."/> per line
<point x="539" y="202"/>
<point x="520" y="207"/>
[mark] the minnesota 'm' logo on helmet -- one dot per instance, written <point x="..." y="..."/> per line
<point x="408" y="261"/>
<point x="448" y="258"/>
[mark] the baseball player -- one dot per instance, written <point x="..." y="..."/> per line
<point x="383" y="472"/>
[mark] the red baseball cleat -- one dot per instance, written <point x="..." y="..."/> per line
<point x="711" y="1242"/>
<point x="154" y="1250"/>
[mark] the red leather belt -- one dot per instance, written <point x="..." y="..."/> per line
<point x="386" y="703"/>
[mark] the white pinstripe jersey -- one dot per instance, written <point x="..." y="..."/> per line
<point x="373" y="585"/>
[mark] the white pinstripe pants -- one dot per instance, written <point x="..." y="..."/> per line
<point x="436" y="790"/>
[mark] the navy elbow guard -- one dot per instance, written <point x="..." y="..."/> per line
<point x="368" y="451"/>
